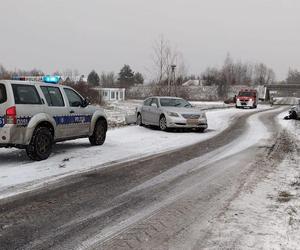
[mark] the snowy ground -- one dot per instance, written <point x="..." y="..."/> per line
<point x="286" y="100"/>
<point x="268" y="216"/>
<point x="117" y="111"/>
<point x="18" y="174"/>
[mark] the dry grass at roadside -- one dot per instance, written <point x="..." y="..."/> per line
<point x="284" y="196"/>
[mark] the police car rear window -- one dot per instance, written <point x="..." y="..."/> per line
<point x="26" y="94"/>
<point x="53" y="96"/>
<point x="3" y="96"/>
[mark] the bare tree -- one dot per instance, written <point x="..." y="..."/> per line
<point x="227" y="77"/>
<point x="164" y="56"/>
<point x="72" y="75"/>
<point x="211" y="76"/>
<point x="108" y="79"/>
<point x="68" y="74"/>
<point x="4" y="74"/>
<point x="293" y="76"/>
<point x="263" y="75"/>
<point x="237" y="73"/>
<point x="242" y="73"/>
<point x="57" y="73"/>
<point x="228" y="71"/>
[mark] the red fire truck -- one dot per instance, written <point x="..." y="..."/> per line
<point x="247" y="98"/>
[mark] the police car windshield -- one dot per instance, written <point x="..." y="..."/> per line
<point x="247" y="94"/>
<point x="2" y="93"/>
<point x="170" y="102"/>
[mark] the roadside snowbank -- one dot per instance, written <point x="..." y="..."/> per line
<point x="267" y="217"/>
<point x="18" y="174"/>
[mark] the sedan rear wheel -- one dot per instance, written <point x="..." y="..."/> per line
<point x="163" y="123"/>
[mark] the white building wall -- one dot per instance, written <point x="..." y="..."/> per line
<point x="112" y="94"/>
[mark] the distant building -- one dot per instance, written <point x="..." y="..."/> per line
<point x="112" y="94"/>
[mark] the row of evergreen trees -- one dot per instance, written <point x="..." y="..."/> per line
<point x="126" y="78"/>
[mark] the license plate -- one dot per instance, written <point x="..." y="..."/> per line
<point x="192" y="121"/>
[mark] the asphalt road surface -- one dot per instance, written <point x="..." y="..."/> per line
<point x="164" y="201"/>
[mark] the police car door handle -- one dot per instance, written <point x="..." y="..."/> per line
<point x="72" y="112"/>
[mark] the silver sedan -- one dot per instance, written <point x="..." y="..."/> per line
<point x="171" y="112"/>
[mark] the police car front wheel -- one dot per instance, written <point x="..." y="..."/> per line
<point x="40" y="146"/>
<point x="99" y="134"/>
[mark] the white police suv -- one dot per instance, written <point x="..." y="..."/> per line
<point x="34" y="115"/>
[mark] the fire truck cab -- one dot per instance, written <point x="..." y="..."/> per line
<point x="247" y="98"/>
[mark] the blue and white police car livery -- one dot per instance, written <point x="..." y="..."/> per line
<point x="35" y="112"/>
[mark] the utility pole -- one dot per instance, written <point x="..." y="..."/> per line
<point x="173" y="79"/>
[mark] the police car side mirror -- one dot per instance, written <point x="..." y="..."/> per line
<point x="85" y="103"/>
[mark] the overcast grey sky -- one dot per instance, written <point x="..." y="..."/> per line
<point x="105" y="34"/>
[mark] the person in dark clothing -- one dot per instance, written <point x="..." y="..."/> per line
<point x="234" y="99"/>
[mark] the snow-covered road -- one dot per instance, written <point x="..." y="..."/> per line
<point x="18" y="174"/>
<point x="166" y="201"/>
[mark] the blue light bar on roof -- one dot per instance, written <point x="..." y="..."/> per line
<point x="51" y="79"/>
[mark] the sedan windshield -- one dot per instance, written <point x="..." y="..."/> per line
<point x="170" y="102"/>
